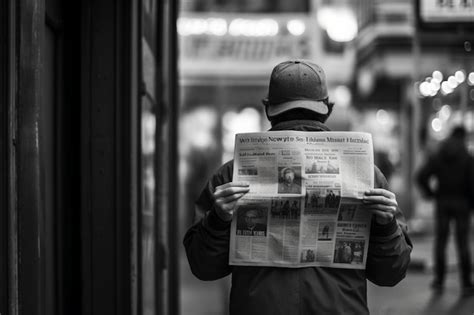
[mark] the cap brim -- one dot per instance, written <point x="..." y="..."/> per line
<point x="315" y="106"/>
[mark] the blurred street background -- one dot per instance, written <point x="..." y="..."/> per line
<point x="114" y="113"/>
<point x="401" y="70"/>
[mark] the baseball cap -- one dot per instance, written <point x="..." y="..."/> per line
<point x="296" y="84"/>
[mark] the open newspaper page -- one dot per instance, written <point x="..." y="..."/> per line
<point x="303" y="208"/>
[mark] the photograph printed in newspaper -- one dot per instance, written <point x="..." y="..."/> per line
<point x="302" y="209"/>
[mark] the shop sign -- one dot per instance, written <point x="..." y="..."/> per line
<point x="243" y="40"/>
<point x="446" y="11"/>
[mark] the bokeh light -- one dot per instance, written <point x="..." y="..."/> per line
<point x="471" y="78"/>
<point x="342" y="96"/>
<point x="258" y="28"/>
<point x="425" y="88"/>
<point x="340" y="23"/>
<point x="382" y="116"/>
<point x="437" y="75"/>
<point x="436" y="124"/>
<point x="446" y="88"/>
<point x="460" y="76"/>
<point x="445" y="112"/>
<point x="296" y="27"/>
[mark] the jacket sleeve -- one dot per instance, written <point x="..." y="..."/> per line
<point x="207" y="241"/>
<point x="389" y="247"/>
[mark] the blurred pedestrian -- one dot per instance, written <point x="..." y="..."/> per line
<point x="451" y="167"/>
<point x="297" y="100"/>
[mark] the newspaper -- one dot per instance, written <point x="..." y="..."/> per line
<point x="303" y="207"/>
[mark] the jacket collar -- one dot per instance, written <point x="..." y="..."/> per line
<point x="300" y="125"/>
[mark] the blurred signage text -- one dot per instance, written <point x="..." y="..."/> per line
<point x="446" y="11"/>
<point x="251" y="39"/>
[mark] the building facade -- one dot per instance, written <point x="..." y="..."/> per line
<point x="87" y="151"/>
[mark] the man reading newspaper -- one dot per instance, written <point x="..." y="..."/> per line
<point x="297" y="100"/>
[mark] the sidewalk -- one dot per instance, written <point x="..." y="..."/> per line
<point x="421" y="231"/>
<point x="422" y="254"/>
<point x="413" y="296"/>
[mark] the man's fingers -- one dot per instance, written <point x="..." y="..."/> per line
<point x="383" y="213"/>
<point x="232" y="184"/>
<point x="231" y="188"/>
<point x="226" y="196"/>
<point x="230" y="198"/>
<point x="380" y="191"/>
<point x="380" y="207"/>
<point x="230" y="191"/>
<point x="380" y="200"/>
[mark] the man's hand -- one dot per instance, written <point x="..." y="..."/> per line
<point x="226" y="197"/>
<point x="382" y="203"/>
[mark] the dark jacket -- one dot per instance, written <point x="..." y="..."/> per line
<point x="452" y="166"/>
<point x="312" y="290"/>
